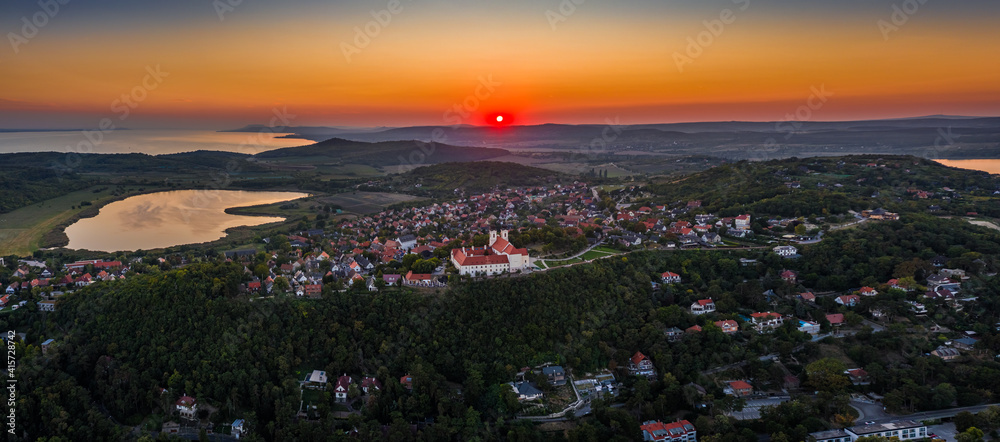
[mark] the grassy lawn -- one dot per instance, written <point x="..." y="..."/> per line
<point x="563" y="262"/>
<point x="606" y="250"/>
<point x="594" y="254"/>
<point x="21" y="231"/>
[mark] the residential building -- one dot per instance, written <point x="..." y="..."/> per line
<point x="407" y="381"/>
<point x="848" y="300"/>
<point x="766" y="321"/>
<point x="902" y="430"/>
<point x="46" y="345"/>
<point x="789" y="276"/>
<point x="238" y="428"/>
<point x="808" y="327"/>
<point x="640" y="365"/>
<point x="857" y="376"/>
<point x="786" y="251"/>
<point x="370" y="385"/>
<point x="670" y="278"/>
<point x="555" y="374"/>
<point x="525" y="391"/>
<point x="342" y="387"/>
<point x="187" y="407"/>
<point x="868" y="291"/>
<point x="835" y="319"/>
<point x="738" y="388"/>
<point x="46" y="306"/>
<point x="946" y="354"/>
<point x="703" y="306"/>
<point x="680" y="431"/>
<point x="316" y="380"/>
<point x="728" y="326"/>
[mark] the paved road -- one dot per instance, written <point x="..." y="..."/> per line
<point x="938" y="414"/>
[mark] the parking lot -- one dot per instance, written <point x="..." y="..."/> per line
<point x="944" y="431"/>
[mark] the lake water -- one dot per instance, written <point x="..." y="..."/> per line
<point x="153" y="142"/>
<point x="989" y="166"/>
<point x="166" y="219"/>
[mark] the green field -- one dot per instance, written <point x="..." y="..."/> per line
<point x="22" y="230"/>
<point x="366" y="202"/>
<point x="594" y="254"/>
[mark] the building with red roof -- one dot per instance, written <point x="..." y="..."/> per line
<point x="680" y="431"/>
<point x="641" y="365"/>
<point x="498" y="257"/>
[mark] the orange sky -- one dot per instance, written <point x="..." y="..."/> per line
<point x="587" y="69"/>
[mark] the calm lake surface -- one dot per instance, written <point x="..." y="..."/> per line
<point x="166" y="219"/>
<point x="989" y="166"/>
<point x="152" y="142"/>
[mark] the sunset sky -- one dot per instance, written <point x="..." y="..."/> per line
<point x="608" y="58"/>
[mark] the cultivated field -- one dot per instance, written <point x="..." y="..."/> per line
<point x="21" y="231"/>
<point x="366" y="202"/>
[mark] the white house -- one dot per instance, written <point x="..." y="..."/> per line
<point x="786" y="251"/>
<point x="702" y="306"/>
<point x="187" y="407"/>
<point x="670" y="278"/>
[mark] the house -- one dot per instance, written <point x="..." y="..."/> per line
<point x="46" y="345"/>
<point x="370" y="385"/>
<point x="421" y="279"/>
<point x="807" y="296"/>
<point x="835" y="319"/>
<point x="808" y="327"/>
<point x="693" y="329"/>
<point x="316" y="380"/>
<point x="837" y="435"/>
<point x="391" y="280"/>
<point x="738" y="388"/>
<point x="868" y="291"/>
<point x="946" y="354"/>
<point x="670" y="278"/>
<point x="407" y="242"/>
<point x="900" y="430"/>
<point x="917" y="308"/>
<point x="939" y="261"/>
<point x="848" y="300"/>
<point x="857" y="376"/>
<point x="640" y="365"/>
<point x="786" y="251"/>
<point x="789" y="276"/>
<point x="766" y="320"/>
<point x="711" y="238"/>
<point x="525" y="391"/>
<point x="702" y="306"/>
<point x="238" y="428"/>
<point x="673" y="333"/>
<point x="407" y="381"/>
<point x="187" y="407"/>
<point x="11" y="289"/>
<point x="966" y="344"/>
<point x="342" y="387"/>
<point x="555" y="374"/>
<point x="680" y="431"/>
<point x="728" y="326"/>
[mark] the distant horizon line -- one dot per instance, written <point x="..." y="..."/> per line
<point x="341" y="127"/>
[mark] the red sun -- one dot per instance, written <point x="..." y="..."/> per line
<point x="499" y="119"/>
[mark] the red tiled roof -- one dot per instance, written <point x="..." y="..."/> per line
<point x="638" y="357"/>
